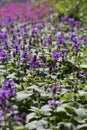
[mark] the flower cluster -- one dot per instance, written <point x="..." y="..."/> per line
<point x="59" y="55"/>
<point x="8" y="111"/>
<point x="3" y="55"/>
<point x="54" y="102"/>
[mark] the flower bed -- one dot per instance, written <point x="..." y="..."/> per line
<point x="24" y="11"/>
<point x="43" y="75"/>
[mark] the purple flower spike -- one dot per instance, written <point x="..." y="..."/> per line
<point x="3" y="55"/>
<point x="73" y="36"/>
<point x="56" y="56"/>
<point x="76" y="43"/>
<point x="61" y="39"/>
<point x="54" y="89"/>
<point x="34" y="62"/>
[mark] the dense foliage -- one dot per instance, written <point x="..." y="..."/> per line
<point x="73" y="8"/>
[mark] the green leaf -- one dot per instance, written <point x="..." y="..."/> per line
<point x="21" y="128"/>
<point x="41" y="124"/>
<point x="31" y="116"/>
<point x="22" y="95"/>
<point x="82" y="127"/>
<point x="83" y="66"/>
<point x="32" y="125"/>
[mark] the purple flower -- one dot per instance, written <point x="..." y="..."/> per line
<point x="5" y="44"/>
<point x="64" y="18"/>
<point x="12" y="31"/>
<point x="24" y="57"/>
<point x="1" y="120"/>
<point x="48" y="39"/>
<point x="34" y="31"/>
<point x="52" y="102"/>
<point x="14" y="37"/>
<point x="3" y="35"/>
<point x="51" y="68"/>
<point x="61" y="39"/>
<point x="16" y="48"/>
<point x="21" y="118"/>
<point x="2" y="113"/>
<point x="76" y="43"/>
<point x="7" y="93"/>
<point x="8" y="19"/>
<point x="56" y="56"/>
<point x="40" y="27"/>
<point x="3" y="55"/>
<point x="54" y="89"/>
<point x="71" y="21"/>
<point x="10" y="88"/>
<point x="84" y="39"/>
<point x="34" y="62"/>
<point x="8" y="84"/>
<point x="77" y="24"/>
<point x="73" y="36"/>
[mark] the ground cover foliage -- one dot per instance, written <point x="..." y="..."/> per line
<point x="43" y="75"/>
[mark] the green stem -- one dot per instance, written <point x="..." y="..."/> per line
<point x="10" y="125"/>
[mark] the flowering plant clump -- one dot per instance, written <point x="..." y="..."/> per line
<point x="8" y="111"/>
<point x="43" y="75"/>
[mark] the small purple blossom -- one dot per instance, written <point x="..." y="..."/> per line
<point x="34" y="62"/>
<point x="54" y="102"/>
<point x="3" y="55"/>
<point x="24" y="57"/>
<point x="84" y="40"/>
<point x="76" y="43"/>
<point x="71" y="21"/>
<point x="21" y="118"/>
<point x="48" y="39"/>
<point x="61" y="39"/>
<point x="10" y="88"/>
<point x="77" y="24"/>
<point x="34" y="31"/>
<point x="57" y="55"/>
<point x="64" y="18"/>
<point x="73" y="36"/>
<point x="54" y="89"/>
<point x="3" y="35"/>
<point x="16" y="48"/>
<point x="5" y="44"/>
<point x="51" y="68"/>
